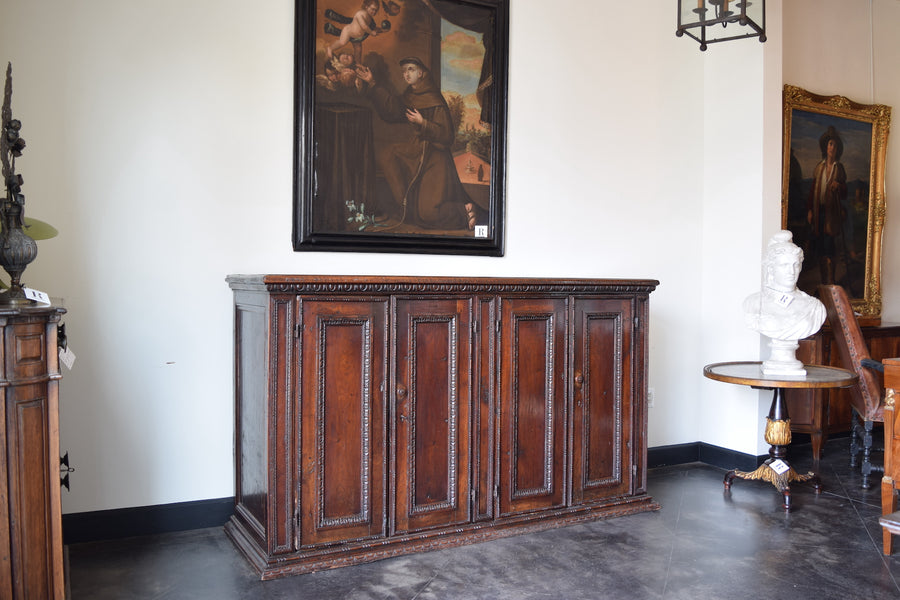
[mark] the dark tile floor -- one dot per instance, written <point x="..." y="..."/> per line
<point x="703" y="543"/>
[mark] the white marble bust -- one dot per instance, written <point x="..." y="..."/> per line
<point x="779" y="310"/>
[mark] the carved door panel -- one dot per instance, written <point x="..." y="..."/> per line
<point x="343" y="345"/>
<point x="602" y="390"/>
<point x="532" y="404"/>
<point x="431" y="412"/>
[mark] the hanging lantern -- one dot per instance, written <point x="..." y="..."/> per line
<point x="713" y="21"/>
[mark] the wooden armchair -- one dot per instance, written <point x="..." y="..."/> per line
<point x="890" y="483"/>
<point x="867" y="396"/>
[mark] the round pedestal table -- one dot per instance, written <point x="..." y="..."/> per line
<point x="776" y="469"/>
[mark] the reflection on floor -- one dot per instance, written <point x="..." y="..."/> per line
<point x="704" y="543"/>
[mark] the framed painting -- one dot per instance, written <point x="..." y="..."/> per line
<point x="400" y="126"/>
<point x="833" y="193"/>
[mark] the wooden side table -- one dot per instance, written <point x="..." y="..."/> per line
<point x="776" y="469"/>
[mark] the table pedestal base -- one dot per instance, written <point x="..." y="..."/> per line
<point x="781" y="481"/>
<point x="776" y="469"/>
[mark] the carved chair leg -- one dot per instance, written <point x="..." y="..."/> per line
<point x="854" y="437"/>
<point x="867" y="467"/>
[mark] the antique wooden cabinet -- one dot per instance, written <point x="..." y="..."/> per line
<point x="31" y="547"/>
<point x="821" y="412"/>
<point x="377" y="416"/>
<point x="890" y="483"/>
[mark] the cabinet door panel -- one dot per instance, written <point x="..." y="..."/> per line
<point x="432" y="412"/>
<point x="32" y="486"/>
<point x="602" y="386"/>
<point x="532" y="404"/>
<point x="342" y="420"/>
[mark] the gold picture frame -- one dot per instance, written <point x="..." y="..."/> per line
<point x="832" y="195"/>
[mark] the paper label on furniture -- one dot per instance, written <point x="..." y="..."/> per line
<point x="67" y="357"/>
<point x="784" y="299"/>
<point x="779" y="466"/>
<point x="36" y="295"/>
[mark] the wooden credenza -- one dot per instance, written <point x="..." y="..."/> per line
<point x="822" y="412"/>
<point x="378" y="416"/>
<point x="31" y="547"/>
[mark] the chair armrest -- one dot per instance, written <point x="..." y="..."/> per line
<point x="872" y="364"/>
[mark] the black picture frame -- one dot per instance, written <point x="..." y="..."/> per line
<point x="369" y="177"/>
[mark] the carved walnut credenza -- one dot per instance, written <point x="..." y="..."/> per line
<point x="378" y="416"/>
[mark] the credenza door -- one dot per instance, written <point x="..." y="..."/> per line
<point x="342" y="420"/>
<point x="532" y="404"/>
<point x="431" y="408"/>
<point x="602" y="392"/>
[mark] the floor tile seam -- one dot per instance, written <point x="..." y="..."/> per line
<point x="876" y="542"/>
<point x="812" y="547"/>
<point x="886" y="561"/>
<point x="846" y="493"/>
<point x="853" y="492"/>
<point x="865" y="502"/>
<point x="844" y="497"/>
<point x="855" y="484"/>
<point x="424" y="587"/>
<point x="893" y="578"/>
<point x="852" y="496"/>
<point x="680" y="506"/>
<point x="673" y="538"/>
<point x="778" y="544"/>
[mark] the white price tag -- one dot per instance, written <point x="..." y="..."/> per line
<point x="779" y="466"/>
<point x="67" y="357"/>
<point x="784" y="300"/>
<point x="36" y="295"/>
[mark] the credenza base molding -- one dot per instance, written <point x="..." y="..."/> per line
<point x="348" y="554"/>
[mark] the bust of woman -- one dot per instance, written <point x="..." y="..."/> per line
<point x="779" y="310"/>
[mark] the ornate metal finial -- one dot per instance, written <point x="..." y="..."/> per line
<point x="6" y="115"/>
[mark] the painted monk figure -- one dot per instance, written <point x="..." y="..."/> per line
<point x="421" y="172"/>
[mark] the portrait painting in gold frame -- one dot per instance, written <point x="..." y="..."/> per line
<point x="833" y="192"/>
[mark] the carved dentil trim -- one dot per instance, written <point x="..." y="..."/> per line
<point x="453" y="288"/>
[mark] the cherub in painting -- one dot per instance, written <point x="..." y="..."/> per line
<point x="355" y="30"/>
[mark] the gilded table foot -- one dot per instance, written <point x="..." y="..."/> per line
<point x="778" y="473"/>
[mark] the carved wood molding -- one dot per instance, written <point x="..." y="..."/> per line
<point x="300" y="284"/>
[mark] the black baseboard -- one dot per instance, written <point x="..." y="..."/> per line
<point x="182" y="516"/>
<point x="145" y="520"/>
<point x="679" y="454"/>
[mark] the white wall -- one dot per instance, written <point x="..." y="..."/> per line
<point x="159" y="144"/>
<point x="741" y="180"/>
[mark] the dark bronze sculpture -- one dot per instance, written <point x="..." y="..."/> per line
<point x="17" y="248"/>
